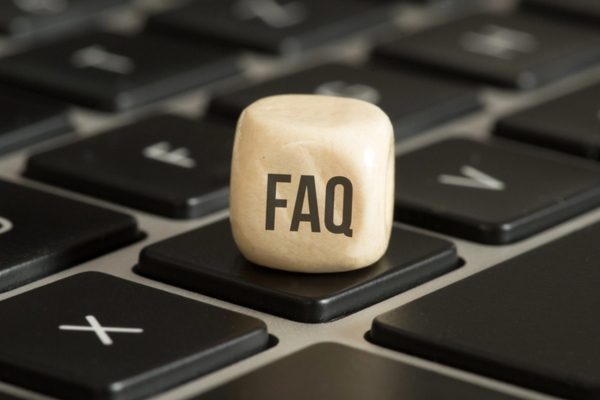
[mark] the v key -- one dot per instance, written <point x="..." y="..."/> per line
<point x="472" y="178"/>
<point x="538" y="191"/>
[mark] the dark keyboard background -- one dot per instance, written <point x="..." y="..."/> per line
<point x="352" y="50"/>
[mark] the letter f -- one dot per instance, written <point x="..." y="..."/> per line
<point x="272" y="200"/>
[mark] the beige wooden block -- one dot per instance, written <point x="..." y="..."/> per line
<point x="312" y="183"/>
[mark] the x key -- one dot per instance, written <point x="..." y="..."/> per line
<point x="163" y="340"/>
<point x="99" y="329"/>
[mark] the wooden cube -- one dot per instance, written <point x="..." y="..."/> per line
<point x="312" y="183"/>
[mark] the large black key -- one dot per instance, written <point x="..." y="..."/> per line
<point x="516" y="51"/>
<point x="24" y="18"/>
<point x="570" y="123"/>
<point x="274" y="26"/>
<point x="489" y="193"/>
<point x="26" y="118"/>
<point x="532" y="320"/>
<point x="114" y="72"/>
<point x="165" y="165"/>
<point x="412" y="102"/>
<point x="330" y="371"/>
<point x="588" y="10"/>
<point x="94" y="336"/>
<point x="41" y="233"/>
<point x="207" y="261"/>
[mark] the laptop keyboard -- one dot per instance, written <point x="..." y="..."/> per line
<point x="119" y="276"/>
<point x="116" y="72"/>
<point x="412" y="101"/>
<point x="568" y="123"/>
<point x="207" y="261"/>
<point x="182" y="170"/>
<point x="524" y="321"/>
<point x="287" y="27"/>
<point x="28" y="118"/>
<point x="517" y="51"/>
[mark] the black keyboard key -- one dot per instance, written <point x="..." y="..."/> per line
<point x="26" y="118"/>
<point x="493" y="194"/>
<point x="531" y="320"/>
<point x="330" y="371"/>
<point x="25" y="18"/>
<point x="570" y="124"/>
<point x="114" y="72"/>
<point x="274" y="26"/>
<point x="41" y="234"/>
<point x="207" y="261"/>
<point x="580" y="9"/>
<point x="165" y="165"/>
<point x="412" y="102"/>
<point x="94" y="336"/>
<point x="516" y="51"/>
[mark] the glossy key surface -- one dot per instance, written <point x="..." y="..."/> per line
<point x="41" y="233"/>
<point x="520" y="51"/>
<point x="207" y="261"/>
<point x="570" y="123"/>
<point x="165" y="165"/>
<point x="274" y="26"/>
<point x="26" y="118"/>
<point x="531" y="320"/>
<point x="115" y="72"/>
<point x="413" y="102"/>
<point x="493" y="193"/>
<point x="330" y="371"/>
<point x="94" y="336"/>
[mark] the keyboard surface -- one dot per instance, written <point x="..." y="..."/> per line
<point x="119" y="278"/>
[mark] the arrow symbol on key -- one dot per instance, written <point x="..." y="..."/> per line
<point x="473" y="178"/>
<point x="5" y="225"/>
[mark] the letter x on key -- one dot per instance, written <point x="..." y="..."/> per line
<point x="99" y="329"/>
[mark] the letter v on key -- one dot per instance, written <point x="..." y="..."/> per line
<point x="5" y="225"/>
<point x="473" y="178"/>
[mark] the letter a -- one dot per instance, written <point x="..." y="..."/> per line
<point x="306" y="186"/>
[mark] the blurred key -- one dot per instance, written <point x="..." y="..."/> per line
<point x="570" y="123"/>
<point x="413" y="102"/>
<point x="588" y="10"/>
<point x="491" y="193"/>
<point x="516" y="50"/>
<point x="41" y="233"/>
<point x="165" y="165"/>
<point x="24" y="18"/>
<point x="331" y="371"/>
<point x="207" y="261"/>
<point x="26" y="118"/>
<point x="532" y="321"/>
<point x="113" y="72"/>
<point x="274" y="26"/>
